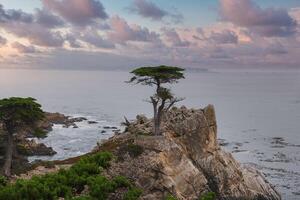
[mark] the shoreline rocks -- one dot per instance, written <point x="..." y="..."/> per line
<point x="26" y="146"/>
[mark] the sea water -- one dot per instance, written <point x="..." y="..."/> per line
<point x="258" y="112"/>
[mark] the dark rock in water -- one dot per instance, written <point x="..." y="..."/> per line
<point x="185" y="161"/>
<point x="249" y="130"/>
<point x="75" y="126"/>
<point x="92" y="122"/>
<point x="278" y="157"/>
<point x="30" y="148"/>
<point x="103" y="131"/>
<point x="66" y="121"/>
<point x="110" y="127"/>
<point x="238" y="151"/>
<point x="223" y="142"/>
<point x="76" y="119"/>
<point x="279" y="142"/>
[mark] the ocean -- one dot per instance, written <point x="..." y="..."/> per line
<point x="258" y="112"/>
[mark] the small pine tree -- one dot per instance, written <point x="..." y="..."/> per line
<point x="163" y="99"/>
<point x="16" y="112"/>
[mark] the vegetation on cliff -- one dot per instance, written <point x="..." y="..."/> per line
<point x="163" y="99"/>
<point x="70" y="183"/>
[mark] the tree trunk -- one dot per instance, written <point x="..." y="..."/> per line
<point x="158" y="117"/>
<point x="155" y="118"/>
<point x="8" y="155"/>
<point x="156" y="125"/>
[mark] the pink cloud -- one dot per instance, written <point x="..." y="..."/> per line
<point x="3" y="41"/>
<point x="78" y="12"/>
<point x="266" y="22"/>
<point x="21" y="48"/>
<point x="122" y="32"/>
<point x="173" y="37"/>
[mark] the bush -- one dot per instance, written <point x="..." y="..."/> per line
<point x="134" y="150"/>
<point x="170" y="197"/>
<point x="82" y="198"/>
<point x="100" y="187"/>
<point x="69" y="183"/>
<point x="208" y="196"/>
<point x="85" y="168"/>
<point x="121" y="181"/>
<point x="133" y="194"/>
<point x="3" y="181"/>
<point x="39" y="133"/>
<point x="65" y="183"/>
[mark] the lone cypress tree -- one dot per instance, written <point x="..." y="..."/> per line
<point x="16" y="112"/>
<point x="163" y="99"/>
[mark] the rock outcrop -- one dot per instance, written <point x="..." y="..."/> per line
<point x="25" y="146"/>
<point x="186" y="161"/>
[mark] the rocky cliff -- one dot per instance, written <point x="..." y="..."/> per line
<point x="186" y="161"/>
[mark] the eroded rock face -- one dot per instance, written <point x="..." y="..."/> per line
<point x="186" y="161"/>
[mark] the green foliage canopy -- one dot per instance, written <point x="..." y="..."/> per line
<point x="68" y="183"/>
<point x="157" y="75"/>
<point x="17" y="111"/>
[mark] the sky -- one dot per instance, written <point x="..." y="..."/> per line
<point x="106" y="34"/>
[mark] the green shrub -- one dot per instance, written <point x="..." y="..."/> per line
<point x="100" y="187"/>
<point x="9" y="193"/>
<point x="65" y="183"/>
<point x="82" y="198"/>
<point x="134" y="150"/>
<point x="85" y="168"/>
<point x="208" y="196"/>
<point x="39" y="133"/>
<point x="101" y="159"/>
<point x="121" y="181"/>
<point x="133" y="194"/>
<point x="3" y="181"/>
<point x="170" y="197"/>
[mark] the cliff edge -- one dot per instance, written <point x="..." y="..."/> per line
<point x="186" y="161"/>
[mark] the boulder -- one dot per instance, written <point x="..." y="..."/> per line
<point x="31" y="148"/>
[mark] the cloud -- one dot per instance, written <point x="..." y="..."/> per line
<point x="92" y="37"/>
<point x="224" y="37"/>
<point x="47" y="19"/>
<point x="77" y="12"/>
<point x="14" y="15"/>
<point x="3" y="41"/>
<point x="150" y="10"/>
<point x="35" y="27"/>
<point x="121" y="32"/>
<point x="72" y="40"/>
<point x="276" y="49"/>
<point x="36" y="34"/>
<point x="173" y="38"/>
<point x="266" y="22"/>
<point x="41" y="16"/>
<point x="23" y="49"/>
